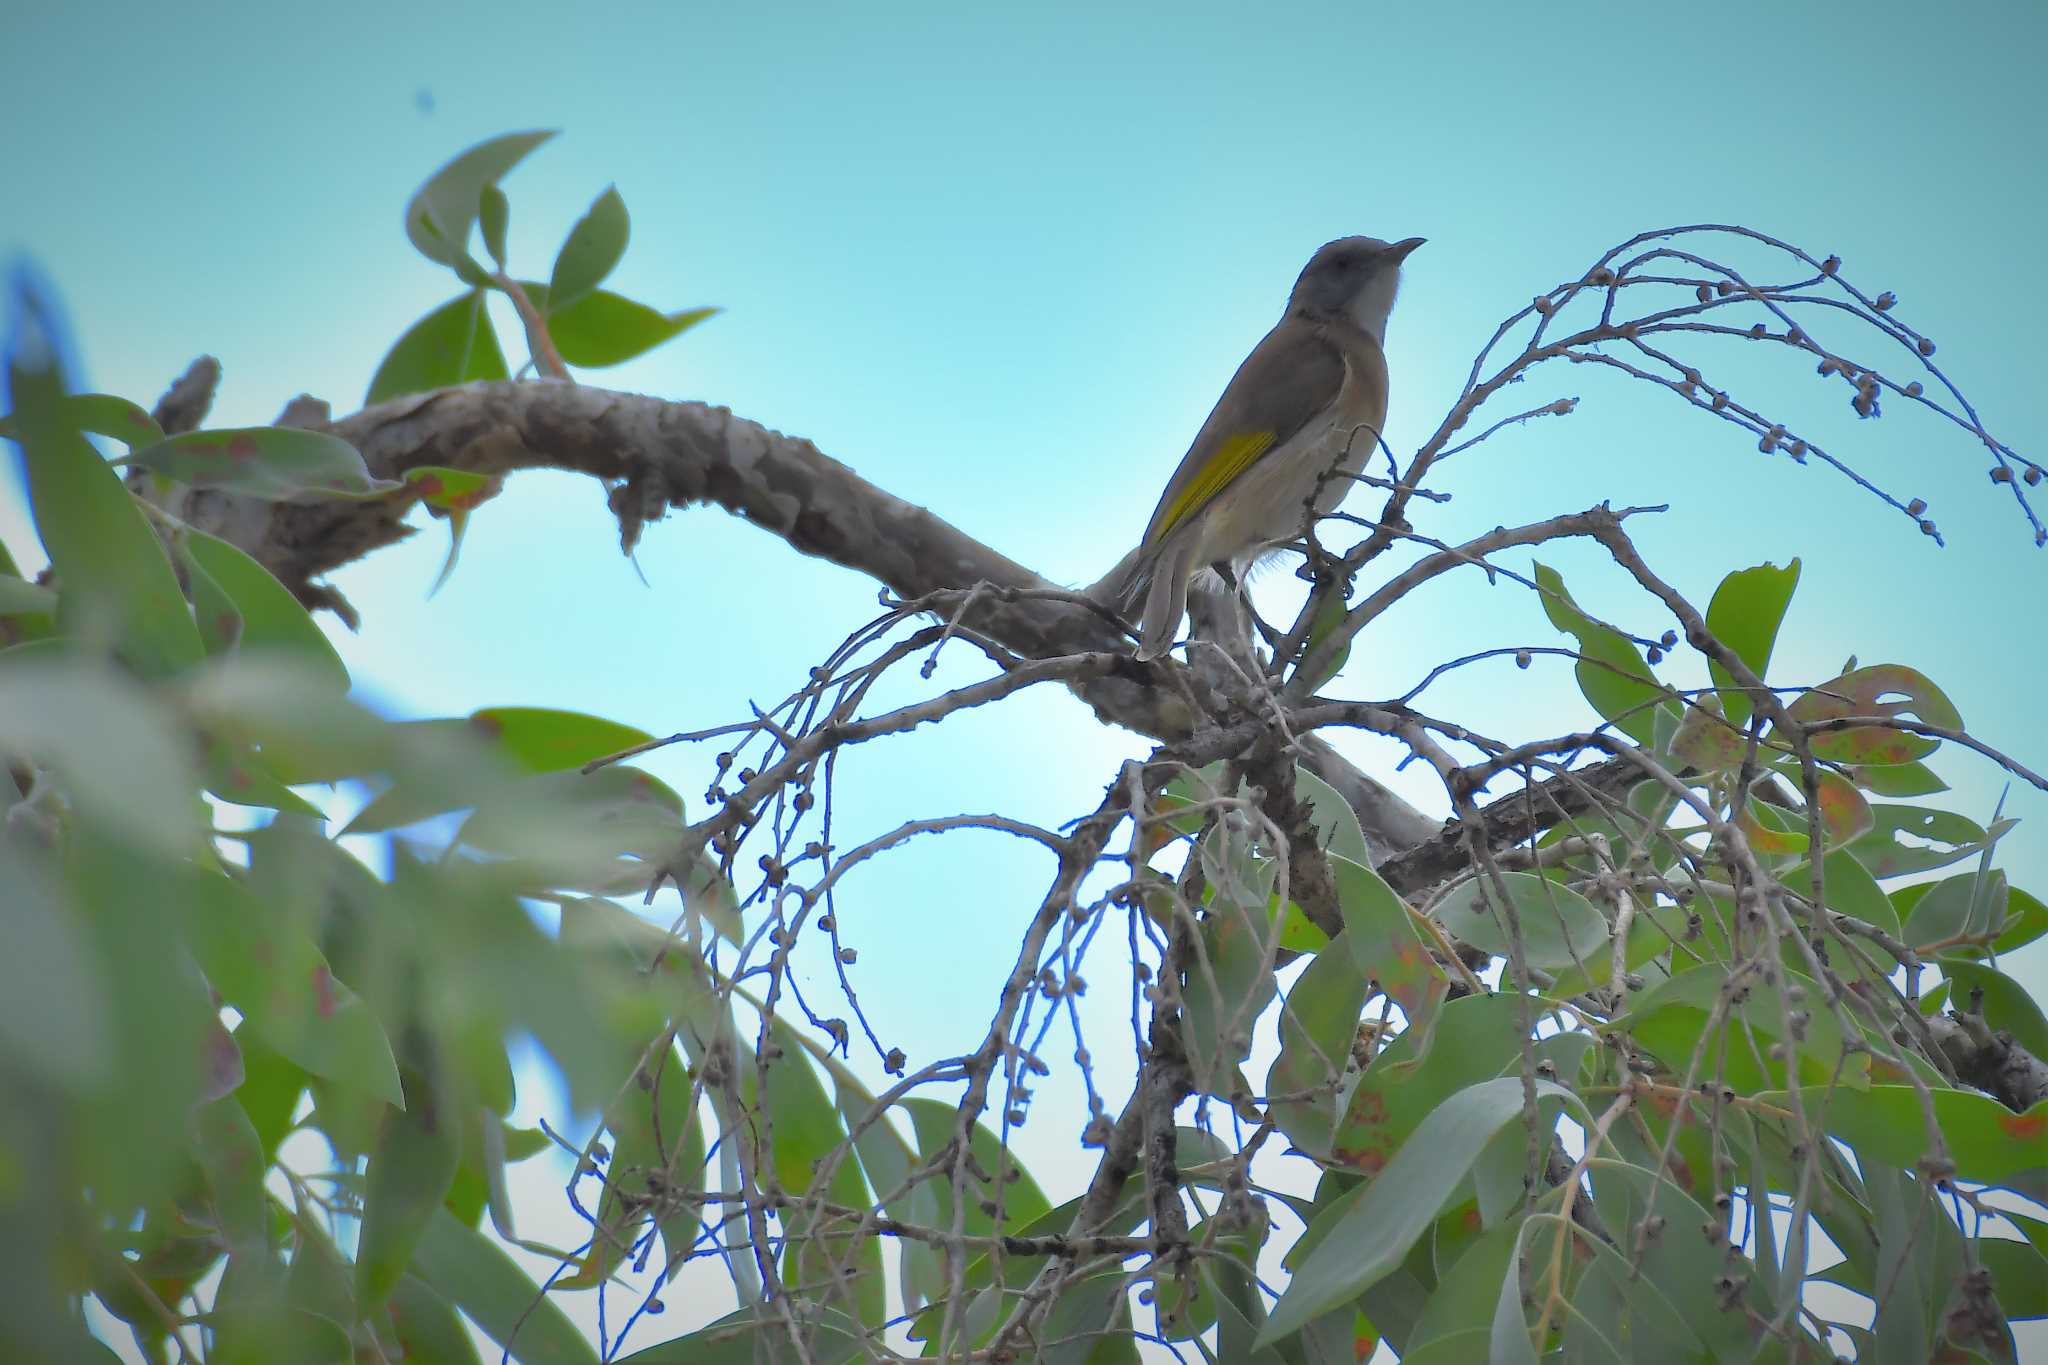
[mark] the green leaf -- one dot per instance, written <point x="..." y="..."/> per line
<point x="19" y="597"/>
<point x="1968" y="906"/>
<point x="267" y="967"/>
<point x="1367" y="1233"/>
<point x="102" y="414"/>
<point x="1939" y="837"/>
<point x="427" y="1327"/>
<point x="1329" y="617"/>
<point x="2019" y="1276"/>
<point x="1560" y="928"/>
<point x="1336" y="824"/>
<point x="807" y="1130"/>
<point x="602" y="328"/>
<point x="1318" y="1025"/>
<point x="593" y="248"/>
<point x="1886" y="1124"/>
<point x="755" y="1334"/>
<point x="122" y="755"/>
<point x="2006" y="1004"/>
<point x="442" y="211"/>
<point x="1849" y="887"/>
<point x="1669" y="1017"/>
<point x="54" y="1018"/>
<point x="253" y="1333"/>
<point x="452" y="345"/>
<point x="2026" y="920"/>
<point x="231" y="1154"/>
<point x="1611" y="671"/>
<point x="1466" y="1295"/>
<point x="1231" y="980"/>
<point x="654" y="1155"/>
<point x="1669" y="1309"/>
<point x="1744" y="615"/>
<point x="1899" y="779"/>
<point x="270" y="1089"/>
<point x="272" y="618"/>
<point x="279" y="463"/>
<point x="494" y="212"/>
<point x="112" y="569"/>
<point x="418" y="1148"/>
<point x="472" y="1272"/>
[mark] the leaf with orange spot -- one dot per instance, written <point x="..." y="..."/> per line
<point x="1844" y="814"/>
<point x="1869" y="692"/>
<point x="1707" y="742"/>
<point x="1886" y="1124"/>
<point x="1384" y="943"/>
<point x="271" y="970"/>
<point x="1473" y="1038"/>
<point x="1768" y="830"/>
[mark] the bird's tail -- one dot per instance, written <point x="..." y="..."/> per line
<point x="1123" y="587"/>
<point x="1149" y="588"/>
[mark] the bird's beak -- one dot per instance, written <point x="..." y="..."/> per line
<point x="1398" y="252"/>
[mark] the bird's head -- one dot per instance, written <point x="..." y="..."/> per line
<point x="1353" y="278"/>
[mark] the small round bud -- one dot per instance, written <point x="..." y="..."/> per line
<point x="2032" y="476"/>
<point x="849" y="956"/>
<point x="1883" y="302"/>
<point x="1669" y="639"/>
<point x="1655" y="655"/>
<point x="1724" y="288"/>
<point x="1913" y="390"/>
<point x="1831" y="265"/>
<point x="1759" y="331"/>
<point x="2001" y="474"/>
<point x="1543" y="305"/>
<point x="1926" y="346"/>
<point x="1795" y="336"/>
<point x="1926" y="527"/>
<point x="1521" y="658"/>
<point x="1916" y="507"/>
<point x="1703" y="294"/>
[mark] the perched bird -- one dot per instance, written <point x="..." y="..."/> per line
<point x="1298" y="421"/>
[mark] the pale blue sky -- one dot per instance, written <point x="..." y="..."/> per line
<point x="1002" y="262"/>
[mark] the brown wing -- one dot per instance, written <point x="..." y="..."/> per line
<point x="1290" y="376"/>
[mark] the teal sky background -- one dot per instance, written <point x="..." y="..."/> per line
<point x="1001" y="262"/>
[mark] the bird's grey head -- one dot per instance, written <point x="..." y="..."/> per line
<point x="1353" y="278"/>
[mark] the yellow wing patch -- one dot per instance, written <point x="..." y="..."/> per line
<point x="1233" y="455"/>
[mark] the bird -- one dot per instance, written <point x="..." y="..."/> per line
<point x="1295" y="424"/>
